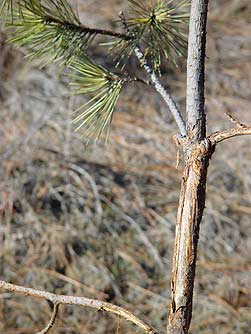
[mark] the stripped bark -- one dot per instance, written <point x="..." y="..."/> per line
<point x="191" y="206"/>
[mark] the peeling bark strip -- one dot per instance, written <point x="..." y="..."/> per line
<point x="196" y="118"/>
<point x="198" y="151"/>
<point x="191" y="206"/>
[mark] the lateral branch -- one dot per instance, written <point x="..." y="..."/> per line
<point x="82" y="28"/>
<point x="220" y="136"/>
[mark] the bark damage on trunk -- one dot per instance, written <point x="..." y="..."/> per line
<point x="191" y="206"/>
<point x="198" y="151"/>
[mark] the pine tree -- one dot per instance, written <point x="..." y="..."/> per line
<point x="154" y="31"/>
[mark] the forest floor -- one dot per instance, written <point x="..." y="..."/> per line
<point x="99" y="220"/>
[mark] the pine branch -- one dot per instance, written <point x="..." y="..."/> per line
<point x="155" y="81"/>
<point x="163" y="92"/>
<point x="51" y="30"/>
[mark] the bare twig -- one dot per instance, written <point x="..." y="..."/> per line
<point x="81" y="301"/>
<point x="52" y="320"/>
<point x="163" y="92"/>
<point x="234" y="120"/>
<point x="219" y="136"/>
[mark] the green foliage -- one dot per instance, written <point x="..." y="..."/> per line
<point x="159" y="26"/>
<point x="5" y="4"/>
<point x="105" y="88"/>
<point x="50" y="29"/>
<point x="52" y="32"/>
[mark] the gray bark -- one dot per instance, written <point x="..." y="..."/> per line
<point x="163" y="92"/>
<point x="196" y="118"/>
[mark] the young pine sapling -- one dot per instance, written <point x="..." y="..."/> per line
<point x="154" y="31"/>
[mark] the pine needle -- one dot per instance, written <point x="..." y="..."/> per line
<point x="6" y="4"/>
<point x="95" y="116"/>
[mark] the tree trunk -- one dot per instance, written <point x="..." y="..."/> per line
<point x="198" y="151"/>
<point x="191" y="207"/>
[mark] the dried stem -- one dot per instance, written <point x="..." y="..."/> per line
<point x="219" y="136"/>
<point x="52" y="320"/>
<point x="234" y="121"/>
<point x="81" y="301"/>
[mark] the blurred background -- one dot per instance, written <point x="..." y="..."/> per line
<point x="99" y="220"/>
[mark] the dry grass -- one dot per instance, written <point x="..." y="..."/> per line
<point x="99" y="221"/>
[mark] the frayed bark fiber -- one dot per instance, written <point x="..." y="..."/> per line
<point x="191" y="207"/>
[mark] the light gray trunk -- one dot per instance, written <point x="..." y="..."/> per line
<point x="196" y="118"/>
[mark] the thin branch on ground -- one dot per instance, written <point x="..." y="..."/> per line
<point x="52" y="320"/>
<point x="141" y="235"/>
<point x="81" y="301"/>
<point x="219" y="136"/>
<point x="89" y="178"/>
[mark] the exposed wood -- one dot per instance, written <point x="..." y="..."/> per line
<point x="191" y="206"/>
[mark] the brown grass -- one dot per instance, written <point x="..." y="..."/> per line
<point x="99" y="221"/>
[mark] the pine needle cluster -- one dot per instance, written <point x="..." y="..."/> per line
<point x="51" y="31"/>
<point x="160" y="27"/>
<point x="105" y="88"/>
